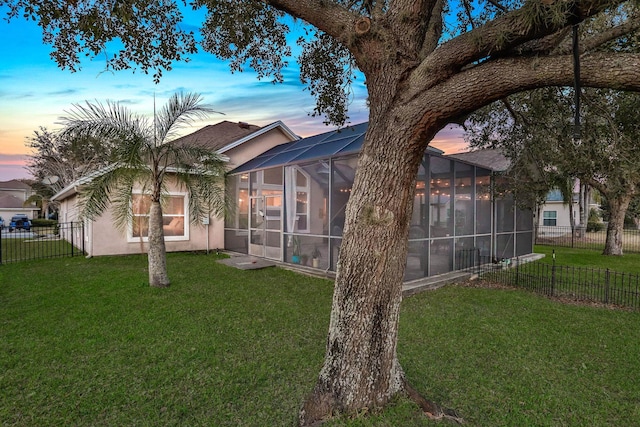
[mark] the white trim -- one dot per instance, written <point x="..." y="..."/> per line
<point x="72" y="188"/>
<point x="259" y="132"/>
<point x="185" y="237"/>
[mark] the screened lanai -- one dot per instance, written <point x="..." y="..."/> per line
<point x="290" y="207"/>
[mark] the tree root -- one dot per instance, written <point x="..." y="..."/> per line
<point x="431" y="409"/>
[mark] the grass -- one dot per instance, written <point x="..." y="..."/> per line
<point x="628" y="263"/>
<point x="591" y="240"/>
<point x="88" y="343"/>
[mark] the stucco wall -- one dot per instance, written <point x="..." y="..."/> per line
<point x="562" y="213"/>
<point x="251" y="149"/>
<point x="107" y="239"/>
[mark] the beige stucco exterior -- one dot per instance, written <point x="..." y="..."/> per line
<point x="102" y="237"/>
<point x="257" y="145"/>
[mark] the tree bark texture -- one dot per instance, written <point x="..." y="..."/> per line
<point x="158" y="276"/>
<point x="414" y="91"/>
<point x="361" y="368"/>
<point x="618" y="206"/>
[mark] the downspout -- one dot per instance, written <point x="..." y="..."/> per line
<point x="89" y="237"/>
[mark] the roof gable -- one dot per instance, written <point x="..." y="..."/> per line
<point x="218" y="136"/>
<point x="488" y="158"/>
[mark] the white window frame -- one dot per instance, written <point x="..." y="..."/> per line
<point x="184" y="237"/>
<point x="546" y="216"/>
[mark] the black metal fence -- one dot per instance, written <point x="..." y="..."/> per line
<point x="579" y="237"/>
<point x="58" y="240"/>
<point x="586" y="284"/>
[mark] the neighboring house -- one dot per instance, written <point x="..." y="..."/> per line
<point x="292" y="202"/>
<point x="239" y="142"/>
<point x="554" y="212"/>
<point x="13" y="195"/>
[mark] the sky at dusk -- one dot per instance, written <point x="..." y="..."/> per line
<point x="35" y="93"/>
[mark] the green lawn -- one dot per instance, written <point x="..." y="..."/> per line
<point x="628" y="263"/>
<point x="88" y="343"/>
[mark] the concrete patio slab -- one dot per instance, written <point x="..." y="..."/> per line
<point x="247" y="262"/>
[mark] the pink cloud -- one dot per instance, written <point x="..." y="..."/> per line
<point x="12" y="166"/>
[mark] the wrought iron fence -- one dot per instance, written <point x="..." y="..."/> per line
<point x="58" y="240"/>
<point x="576" y="283"/>
<point x="582" y="238"/>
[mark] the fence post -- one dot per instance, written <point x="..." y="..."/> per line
<point x="553" y="272"/>
<point x="573" y="236"/>
<point x="606" y="286"/>
<point x="83" y="240"/>
<point x="478" y="262"/>
<point x="517" y="271"/>
<point x="0" y="247"/>
<point x="72" y="245"/>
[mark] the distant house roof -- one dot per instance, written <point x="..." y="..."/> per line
<point x="555" y="195"/>
<point x="343" y="141"/>
<point x="10" y="202"/>
<point x="14" y="185"/>
<point x="488" y="158"/>
<point x="225" y="135"/>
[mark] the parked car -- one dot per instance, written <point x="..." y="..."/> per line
<point x="20" y="221"/>
<point x="1" y="223"/>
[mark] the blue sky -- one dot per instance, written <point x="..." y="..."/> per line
<point x="34" y="92"/>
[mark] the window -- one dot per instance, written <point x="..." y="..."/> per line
<point x="549" y="218"/>
<point x="174" y="221"/>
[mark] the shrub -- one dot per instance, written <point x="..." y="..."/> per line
<point x="40" y="222"/>
<point x="594" y="226"/>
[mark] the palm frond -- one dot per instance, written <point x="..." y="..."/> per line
<point x="182" y="109"/>
<point x="122" y="196"/>
<point x="143" y="158"/>
<point x="113" y="124"/>
<point x="202" y="174"/>
<point x="108" y="120"/>
<point x="94" y="195"/>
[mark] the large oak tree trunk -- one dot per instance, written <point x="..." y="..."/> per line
<point x="361" y="367"/>
<point x="158" y="276"/>
<point x="618" y="206"/>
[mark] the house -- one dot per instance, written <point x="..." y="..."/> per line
<point x="236" y="141"/>
<point x="554" y="212"/>
<point x="291" y="196"/>
<point x="292" y="199"/>
<point x="13" y="195"/>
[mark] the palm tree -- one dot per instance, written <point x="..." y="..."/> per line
<point x="146" y="155"/>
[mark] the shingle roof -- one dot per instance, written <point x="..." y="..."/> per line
<point x="488" y="158"/>
<point x="14" y="185"/>
<point x="10" y="202"/>
<point x="215" y="137"/>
